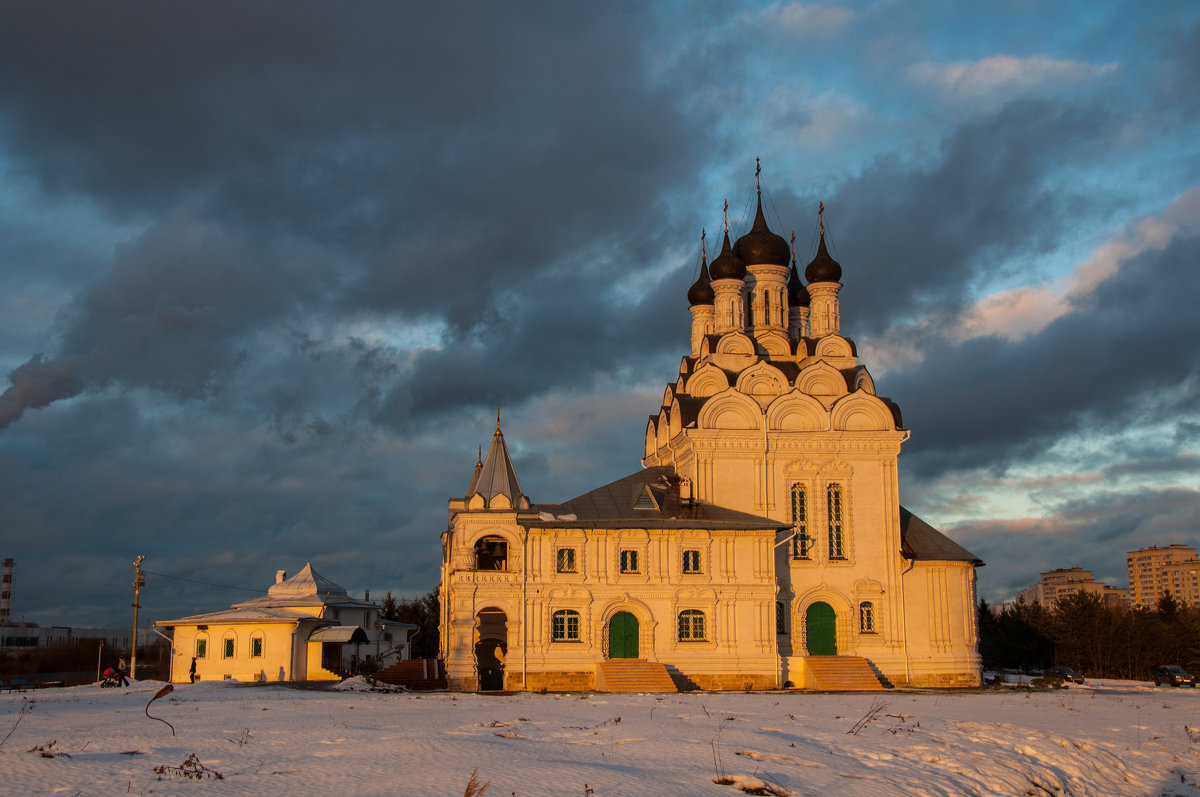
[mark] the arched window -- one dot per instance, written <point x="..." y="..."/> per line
<point x="564" y="626"/>
<point x="780" y="618"/>
<point x="837" y="535"/>
<point x="802" y="543"/>
<point x="691" y="626"/>
<point x="201" y="646"/>
<point x="491" y="553"/>
<point x="256" y="645"/>
<point x="229" y="646"/>
<point x="866" y="617"/>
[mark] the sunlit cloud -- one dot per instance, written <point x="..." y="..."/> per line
<point x="1019" y="312"/>
<point x="998" y="78"/>
<point x="808" y="20"/>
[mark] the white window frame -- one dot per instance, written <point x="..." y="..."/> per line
<point x="691" y="626"/>
<point x="562" y="629"/>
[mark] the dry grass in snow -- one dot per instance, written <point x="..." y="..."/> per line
<point x="1105" y="738"/>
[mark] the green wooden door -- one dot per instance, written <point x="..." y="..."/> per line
<point x="821" y="624"/>
<point x="623" y="636"/>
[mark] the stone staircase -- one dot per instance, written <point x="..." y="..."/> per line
<point x="418" y="674"/>
<point x="633" y="675"/>
<point x="842" y="673"/>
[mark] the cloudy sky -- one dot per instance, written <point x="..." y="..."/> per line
<point x="270" y="268"/>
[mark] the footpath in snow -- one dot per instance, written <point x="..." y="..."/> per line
<point x="1104" y="738"/>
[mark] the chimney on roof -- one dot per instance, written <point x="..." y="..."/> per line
<point x="280" y="575"/>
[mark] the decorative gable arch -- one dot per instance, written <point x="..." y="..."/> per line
<point x="774" y="344"/>
<point x="675" y="419"/>
<point x="797" y="411"/>
<point x="863" y="382"/>
<point x="651" y="438"/>
<point x="834" y="346"/>
<point x="668" y="396"/>
<point x="735" y="343"/>
<point x="821" y="379"/>
<point x="862" y="412"/>
<point x="709" y="380"/>
<point x="730" y="410"/>
<point x="664" y="430"/>
<point x="762" y="379"/>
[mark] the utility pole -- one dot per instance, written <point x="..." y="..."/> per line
<point x="139" y="581"/>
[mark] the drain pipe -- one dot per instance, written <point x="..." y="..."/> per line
<point x="524" y="609"/>
<point x="904" y="618"/>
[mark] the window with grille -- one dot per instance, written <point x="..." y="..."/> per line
<point x="256" y="647"/>
<point x="564" y="626"/>
<point x="802" y="543"/>
<point x="837" y="535"/>
<point x="201" y="648"/>
<point x="691" y="626"/>
<point x="228" y="647"/>
<point x="691" y="561"/>
<point x="629" y="561"/>
<point x="565" y="560"/>
<point x="780" y="618"/>
<point x="866" y="617"/>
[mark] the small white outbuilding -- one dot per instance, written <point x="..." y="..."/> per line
<point x="306" y="628"/>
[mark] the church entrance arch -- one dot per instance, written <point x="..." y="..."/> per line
<point x="623" y="636"/>
<point x="491" y="645"/>
<point x="820" y="625"/>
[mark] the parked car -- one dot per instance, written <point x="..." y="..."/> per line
<point x="1065" y="673"/>
<point x="1175" y="676"/>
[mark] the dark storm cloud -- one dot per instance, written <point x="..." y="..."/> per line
<point x="915" y="236"/>
<point x="1179" y="92"/>
<point x="38" y="382"/>
<point x="442" y="162"/>
<point x="989" y="401"/>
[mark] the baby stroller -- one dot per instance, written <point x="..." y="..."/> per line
<point x="109" y="679"/>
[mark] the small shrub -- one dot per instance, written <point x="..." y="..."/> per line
<point x="191" y="769"/>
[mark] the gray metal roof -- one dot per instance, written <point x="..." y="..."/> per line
<point x="614" y="506"/>
<point x="339" y="633"/>
<point x="241" y="615"/>
<point x="921" y="542"/>
<point x="307" y="588"/>
<point x="497" y="476"/>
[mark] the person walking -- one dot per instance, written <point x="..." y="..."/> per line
<point x="192" y="671"/>
<point x="121" y="679"/>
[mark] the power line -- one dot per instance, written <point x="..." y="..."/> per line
<point x="197" y="581"/>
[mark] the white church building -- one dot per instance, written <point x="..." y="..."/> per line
<point x="762" y="544"/>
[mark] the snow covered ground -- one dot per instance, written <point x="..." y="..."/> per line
<point x="1104" y="738"/>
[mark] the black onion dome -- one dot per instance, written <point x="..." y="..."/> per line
<point x="727" y="266"/>
<point x="701" y="291"/>
<point x="760" y="245"/>
<point x="797" y="293"/>
<point x="823" y="268"/>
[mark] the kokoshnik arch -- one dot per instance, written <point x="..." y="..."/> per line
<point x="763" y="535"/>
